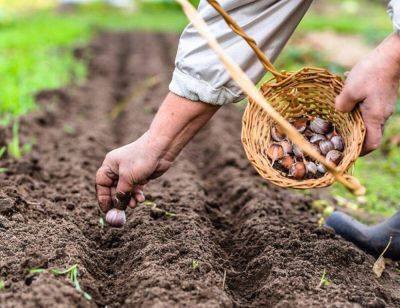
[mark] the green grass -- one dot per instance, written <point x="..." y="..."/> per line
<point x="363" y="17"/>
<point x="36" y="48"/>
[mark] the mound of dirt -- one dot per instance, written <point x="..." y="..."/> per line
<point x="214" y="233"/>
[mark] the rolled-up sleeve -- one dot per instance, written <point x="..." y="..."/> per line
<point x="394" y="12"/>
<point x="200" y="76"/>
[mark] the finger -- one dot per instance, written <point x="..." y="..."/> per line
<point x="105" y="176"/>
<point x="132" y="203"/>
<point x="104" y="197"/>
<point x="138" y="193"/>
<point x="346" y="100"/>
<point x="373" y="137"/>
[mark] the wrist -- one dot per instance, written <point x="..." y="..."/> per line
<point x="390" y="48"/>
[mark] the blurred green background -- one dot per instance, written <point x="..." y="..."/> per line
<point x="37" y="39"/>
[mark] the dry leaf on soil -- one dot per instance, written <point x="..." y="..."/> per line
<point x="379" y="265"/>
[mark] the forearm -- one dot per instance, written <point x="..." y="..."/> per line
<point x="176" y="122"/>
<point x="390" y="49"/>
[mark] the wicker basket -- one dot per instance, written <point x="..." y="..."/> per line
<point x="308" y="92"/>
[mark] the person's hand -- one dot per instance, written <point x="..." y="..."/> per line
<point x="374" y="83"/>
<point x="127" y="169"/>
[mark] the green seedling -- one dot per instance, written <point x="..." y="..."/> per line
<point x="36" y="270"/>
<point x="3" y="170"/>
<point x="72" y="273"/>
<point x="169" y="214"/>
<point x="14" y="148"/>
<point x="324" y="281"/>
<point x="149" y="203"/>
<point x="195" y="264"/>
<point x="2" y="151"/>
<point x="69" y="129"/>
<point x="102" y="223"/>
<point x="2" y="284"/>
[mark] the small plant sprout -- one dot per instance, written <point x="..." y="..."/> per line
<point x="3" y="170"/>
<point x="324" y="282"/>
<point x="195" y="264"/>
<point x="14" y="146"/>
<point x="169" y="214"/>
<point x="2" y="151"/>
<point x="149" y="203"/>
<point x="72" y="273"/>
<point x="36" y="270"/>
<point x="2" y="284"/>
<point x="69" y="129"/>
<point x="102" y="223"/>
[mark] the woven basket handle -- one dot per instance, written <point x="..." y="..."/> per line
<point x="269" y="67"/>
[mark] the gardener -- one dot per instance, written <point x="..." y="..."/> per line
<point x="200" y="86"/>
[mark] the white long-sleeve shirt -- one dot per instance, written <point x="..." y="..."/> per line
<point x="200" y="76"/>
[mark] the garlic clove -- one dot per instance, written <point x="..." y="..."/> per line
<point x="277" y="133"/>
<point x="316" y="138"/>
<point x="300" y="124"/>
<point x="321" y="126"/>
<point x="311" y="168"/>
<point x="275" y="152"/>
<point x="338" y="143"/>
<point x="286" y="162"/>
<point x="296" y="151"/>
<point x="286" y="146"/>
<point x="116" y="218"/>
<point x="297" y="170"/>
<point x="308" y="133"/>
<point x="325" y="146"/>
<point x="321" y="168"/>
<point x="334" y="156"/>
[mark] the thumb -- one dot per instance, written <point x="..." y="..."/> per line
<point x="346" y="100"/>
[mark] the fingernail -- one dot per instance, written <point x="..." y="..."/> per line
<point x="140" y="197"/>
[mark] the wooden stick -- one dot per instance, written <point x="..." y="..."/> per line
<point x="250" y="89"/>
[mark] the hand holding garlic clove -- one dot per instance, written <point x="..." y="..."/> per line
<point x="290" y="160"/>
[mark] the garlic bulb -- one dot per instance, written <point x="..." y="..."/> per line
<point x="334" y="156"/>
<point x="297" y="170"/>
<point x="277" y="134"/>
<point x="325" y="146"/>
<point x="286" y="146"/>
<point x="296" y="151"/>
<point x="286" y="162"/>
<point x="321" y="126"/>
<point x="311" y="168"/>
<point x="321" y="168"/>
<point x="116" y="218"/>
<point x="316" y="138"/>
<point x="338" y="143"/>
<point x="300" y="124"/>
<point x="275" y="152"/>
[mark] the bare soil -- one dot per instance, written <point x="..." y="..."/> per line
<point x="234" y="240"/>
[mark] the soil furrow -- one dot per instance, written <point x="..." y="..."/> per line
<point x="222" y="216"/>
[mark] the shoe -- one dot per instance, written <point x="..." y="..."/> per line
<point x="371" y="239"/>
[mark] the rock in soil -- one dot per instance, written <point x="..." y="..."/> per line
<point x="225" y="219"/>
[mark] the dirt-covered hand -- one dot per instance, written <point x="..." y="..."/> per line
<point x="127" y="169"/>
<point x="374" y="83"/>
